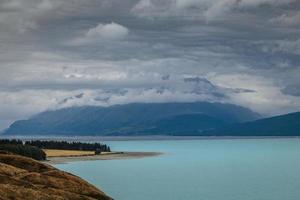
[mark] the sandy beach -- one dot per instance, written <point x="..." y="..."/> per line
<point x="103" y="156"/>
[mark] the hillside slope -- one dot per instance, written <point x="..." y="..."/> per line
<point x="23" y="178"/>
<point x="283" y="125"/>
<point x="189" y="124"/>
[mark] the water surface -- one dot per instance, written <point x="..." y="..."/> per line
<point x="237" y="169"/>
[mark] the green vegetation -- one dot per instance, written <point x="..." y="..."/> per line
<point x="17" y="147"/>
<point x="12" y="142"/>
<point x="63" y="145"/>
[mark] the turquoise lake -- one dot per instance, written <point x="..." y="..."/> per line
<point x="237" y="169"/>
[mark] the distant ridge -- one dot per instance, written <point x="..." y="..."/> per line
<point x="283" y="125"/>
<point x="133" y="119"/>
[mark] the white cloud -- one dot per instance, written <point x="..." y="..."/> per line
<point x="267" y="94"/>
<point x="102" y="32"/>
<point x="108" y="31"/>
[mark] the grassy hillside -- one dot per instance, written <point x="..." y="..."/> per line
<point x="23" y="178"/>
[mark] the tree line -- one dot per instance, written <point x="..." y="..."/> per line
<point x="12" y="142"/>
<point x="64" y="145"/>
<point x="33" y="149"/>
<point x="17" y="147"/>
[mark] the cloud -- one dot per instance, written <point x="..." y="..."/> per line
<point x="261" y="95"/>
<point x="102" y="32"/>
<point x="19" y="16"/>
<point x="290" y="19"/>
<point x="108" y="31"/>
<point x="195" y="79"/>
<point x="293" y="90"/>
<point x="205" y="9"/>
<point x="266" y="97"/>
<point x="288" y="46"/>
<point x="23" y="104"/>
<point x="284" y="46"/>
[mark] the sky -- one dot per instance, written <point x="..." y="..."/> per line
<point x="62" y="53"/>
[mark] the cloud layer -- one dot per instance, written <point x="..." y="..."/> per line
<point x="58" y="53"/>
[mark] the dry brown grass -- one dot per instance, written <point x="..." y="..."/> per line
<point x="23" y="178"/>
<point x="67" y="153"/>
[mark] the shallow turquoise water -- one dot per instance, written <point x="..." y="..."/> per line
<point x="250" y="169"/>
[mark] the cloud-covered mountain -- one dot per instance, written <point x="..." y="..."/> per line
<point x="133" y="119"/>
<point x="243" y="52"/>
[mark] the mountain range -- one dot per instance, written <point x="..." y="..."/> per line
<point x="133" y="119"/>
<point x="182" y="119"/>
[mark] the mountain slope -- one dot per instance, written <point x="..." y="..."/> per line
<point x="124" y="119"/>
<point x="189" y="124"/>
<point x="283" y="125"/>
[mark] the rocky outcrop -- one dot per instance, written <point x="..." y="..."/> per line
<point x="22" y="178"/>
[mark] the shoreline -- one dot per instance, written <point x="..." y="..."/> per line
<point x="107" y="156"/>
<point x="144" y="138"/>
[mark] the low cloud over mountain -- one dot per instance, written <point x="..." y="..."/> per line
<point x="59" y="53"/>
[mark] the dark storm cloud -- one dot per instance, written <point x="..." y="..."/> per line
<point x="112" y="52"/>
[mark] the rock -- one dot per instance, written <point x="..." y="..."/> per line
<point x="22" y="178"/>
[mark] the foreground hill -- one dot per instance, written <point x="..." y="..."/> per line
<point x="283" y="125"/>
<point x="133" y="119"/>
<point x="23" y="178"/>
